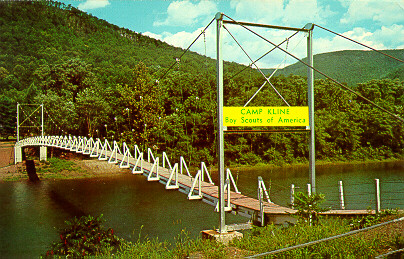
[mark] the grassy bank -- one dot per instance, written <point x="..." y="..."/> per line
<point x="366" y="244"/>
<point x="58" y="168"/>
<point x="363" y="245"/>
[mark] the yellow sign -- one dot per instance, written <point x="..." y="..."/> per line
<point x="266" y="116"/>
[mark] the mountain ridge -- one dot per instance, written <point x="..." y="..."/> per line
<point x="354" y="66"/>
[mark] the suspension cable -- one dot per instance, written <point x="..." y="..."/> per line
<point x="56" y="125"/>
<point x="267" y="80"/>
<point x="28" y="117"/>
<point x="318" y="71"/>
<point x="203" y="31"/>
<point x="287" y="39"/>
<point x="284" y="60"/>
<point x="402" y="61"/>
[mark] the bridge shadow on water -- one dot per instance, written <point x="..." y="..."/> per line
<point x="64" y="204"/>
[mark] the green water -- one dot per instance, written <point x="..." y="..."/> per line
<point x="30" y="214"/>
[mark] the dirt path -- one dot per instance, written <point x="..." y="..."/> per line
<point x="7" y="158"/>
<point x="86" y="168"/>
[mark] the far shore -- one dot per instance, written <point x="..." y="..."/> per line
<point x="319" y="163"/>
<point x="93" y="168"/>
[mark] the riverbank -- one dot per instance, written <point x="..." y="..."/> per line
<point x="319" y="164"/>
<point x="57" y="168"/>
<point x="367" y="244"/>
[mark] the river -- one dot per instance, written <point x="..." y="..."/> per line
<point x="31" y="213"/>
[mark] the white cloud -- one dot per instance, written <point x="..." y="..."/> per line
<point x="375" y="40"/>
<point x="93" y="4"/>
<point x="187" y="13"/>
<point x="294" y="13"/>
<point x="300" y="12"/>
<point x="254" y="46"/>
<point x="260" y="11"/>
<point x="384" y="12"/>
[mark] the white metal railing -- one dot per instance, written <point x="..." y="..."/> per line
<point x="73" y="145"/>
<point x="197" y="181"/>
<point x="126" y="155"/>
<point x="104" y="150"/>
<point x="155" y="167"/>
<point x="204" y="171"/>
<point x="173" y="174"/>
<point x="80" y="145"/>
<point x="89" y="146"/>
<point x="230" y="179"/>
<point x="113" y="159"/>
<point x="150" y="155"/>
<point x="183" y="164"/>
<point x="96" y="148"/>
<point x="139" y="161"/>
<point x="165" y="159"/>
<point x="262" y="189"/>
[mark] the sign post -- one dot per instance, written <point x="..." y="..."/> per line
<point x="310" y="93"/>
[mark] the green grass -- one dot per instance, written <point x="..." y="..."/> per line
<point x="56" y="168"/>
<point x="259" y="240"/>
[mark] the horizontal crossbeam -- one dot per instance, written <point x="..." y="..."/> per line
<point x="266" y="26"/>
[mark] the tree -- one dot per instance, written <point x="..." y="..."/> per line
<point x="7" y="116"/>
<point x="67" y="78"/>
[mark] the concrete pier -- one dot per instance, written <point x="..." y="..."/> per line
<point x="43" y="155"/>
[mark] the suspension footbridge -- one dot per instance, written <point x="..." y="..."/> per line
<point x="225" y="196"/>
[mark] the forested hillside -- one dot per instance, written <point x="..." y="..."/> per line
<point x="353" y="66"/>
<point x="96" y="79"/>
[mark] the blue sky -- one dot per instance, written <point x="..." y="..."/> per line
<point x="377" y="23"/>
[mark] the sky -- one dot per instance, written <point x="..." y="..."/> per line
<point x="376" y="23"/>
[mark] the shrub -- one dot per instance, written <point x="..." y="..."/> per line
<point x="84" y="236"/>
<point x="308" y="207"/>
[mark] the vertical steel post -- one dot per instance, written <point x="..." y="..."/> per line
<point x="341" y="195"/>
<point x="42" y="121"/>
<point x="18" y="122"/>
<point x="260" y="198"/>
<point x="220" y="138"/>
<point x="377" y="195"/>
<point x="310" y="86"/>
<point x="292" y="196"/>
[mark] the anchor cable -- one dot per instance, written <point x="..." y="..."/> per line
<point x="318" y="71"/>
<point x="287" y="39"/>
<point x="399" y="60"/>
<point x="175" y="62"/>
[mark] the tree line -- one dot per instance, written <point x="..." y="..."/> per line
<point x="99" y="80"/>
